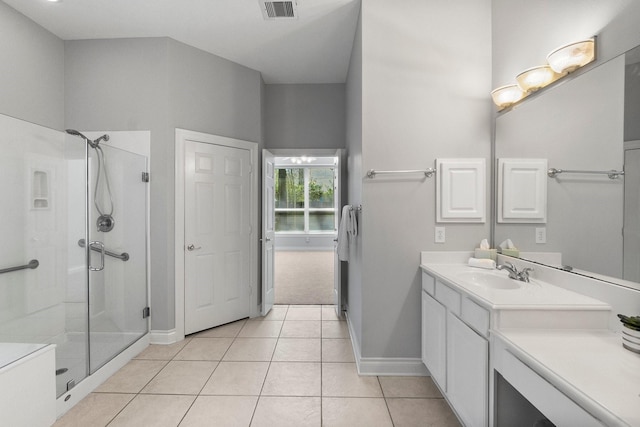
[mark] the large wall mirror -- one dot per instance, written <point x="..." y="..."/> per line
<point x="590" y="123"/>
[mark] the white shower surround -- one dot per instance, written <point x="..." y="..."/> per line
<point x="51" y="300"/>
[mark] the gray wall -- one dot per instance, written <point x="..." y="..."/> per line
<point x="32" y="70"/>
<point x="159" y="84"/>
<point x="354" y="166"/>
<point x="304" y="116"/>
<point x="426" y="75"/>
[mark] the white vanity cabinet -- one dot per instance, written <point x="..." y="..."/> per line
<point x="455" y="349"/>
<point x="544" y="357"/>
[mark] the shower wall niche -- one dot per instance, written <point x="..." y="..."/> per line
<point x="84" y="296"/>
<point x="39" y="189"/>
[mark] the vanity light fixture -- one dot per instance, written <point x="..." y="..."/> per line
<point x="570" y="57"/>
<point x="537" y="77"/>
<point x="561" y="62"/>
<point x="506" y="96"/>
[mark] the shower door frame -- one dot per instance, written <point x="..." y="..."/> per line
<point x="139" y="143"/>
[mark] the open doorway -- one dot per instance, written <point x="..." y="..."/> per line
<point x="306" y="204"/>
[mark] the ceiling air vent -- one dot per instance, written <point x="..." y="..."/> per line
<point x="278" y="9"/>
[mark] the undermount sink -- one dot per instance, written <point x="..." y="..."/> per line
<point x="489" y="280"/>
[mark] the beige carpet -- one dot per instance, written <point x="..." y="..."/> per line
<point x="303" y="277"/>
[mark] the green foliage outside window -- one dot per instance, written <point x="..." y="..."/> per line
<point x="290" y="199"/>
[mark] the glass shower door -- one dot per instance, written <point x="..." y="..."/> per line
<point x="117" y="234"/>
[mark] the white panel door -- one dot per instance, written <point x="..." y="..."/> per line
<point x="631" y="228"/>
<point x="217" y="235"/>
<point x="268" y="230"/>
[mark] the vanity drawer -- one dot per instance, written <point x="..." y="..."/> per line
<point x="448" y="297"/>
<point x="475" y="316"/>
<point x="428" y="284"/>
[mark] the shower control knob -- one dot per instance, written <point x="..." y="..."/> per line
<point x="193" y="248"/>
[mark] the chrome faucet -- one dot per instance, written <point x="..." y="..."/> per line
<point x="523" y="275"/>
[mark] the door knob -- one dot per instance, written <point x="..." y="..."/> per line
<point x="193" y="248"/>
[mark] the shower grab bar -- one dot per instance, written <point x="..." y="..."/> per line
<point x="32" y="264"/>
<point x="428" y="173"/>
<point x="612" y="174"/>
<point x="123" y="256"/>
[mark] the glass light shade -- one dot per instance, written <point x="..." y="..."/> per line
<point x="535" y="78"/>
<point x="505" y="96"/>
<point x="569" y="58"/>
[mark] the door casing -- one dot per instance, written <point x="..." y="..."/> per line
<point x="340" y="275"/>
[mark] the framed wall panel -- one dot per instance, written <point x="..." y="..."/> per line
<point x="461" y="190"/>
<point x="522" y="190"/>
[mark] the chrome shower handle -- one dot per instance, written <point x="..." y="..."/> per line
<point x="101" y="250"/>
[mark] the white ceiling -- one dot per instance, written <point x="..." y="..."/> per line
<point x="315" y="48"/>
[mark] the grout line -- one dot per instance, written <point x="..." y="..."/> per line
<point x="265" y="377"/>
<point x="118" y="413"/>
<point x="386" y="403"/>
<point x="321" y="373"/>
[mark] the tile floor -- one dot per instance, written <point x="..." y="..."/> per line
<point x="294" y="367"/>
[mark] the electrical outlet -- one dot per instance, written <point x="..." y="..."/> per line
<point x="439" y="235"/>
<point x="541" y="235"/>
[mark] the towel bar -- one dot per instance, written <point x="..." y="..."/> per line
<point x="428" y="173"/>
<point x="612" y="174"/>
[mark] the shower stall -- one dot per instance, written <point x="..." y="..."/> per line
<point x="73" y="258"/>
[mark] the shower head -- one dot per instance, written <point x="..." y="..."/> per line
<point x="76" y="133"/>
<point x="94" y="144"/>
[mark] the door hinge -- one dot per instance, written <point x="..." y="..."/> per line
<point x="145" y="176"/>
<point x="146" y="312"/>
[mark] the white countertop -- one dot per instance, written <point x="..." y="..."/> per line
<point x="536" y="294"/>
<point x="11" y="352"/>
<point x="590" y="367"/>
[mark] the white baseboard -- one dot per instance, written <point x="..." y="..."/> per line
<point x="385" y="366"/>
<point x="163" y="337"/>
<point x="398" y="366"/>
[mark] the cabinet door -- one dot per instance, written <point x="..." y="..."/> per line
<point x="467" y="372"/>
<point x="433" y="339"/>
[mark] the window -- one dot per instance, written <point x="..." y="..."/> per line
<point x="305" y="200"/>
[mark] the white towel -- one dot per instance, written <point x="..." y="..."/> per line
<point x="347" y="230"/>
